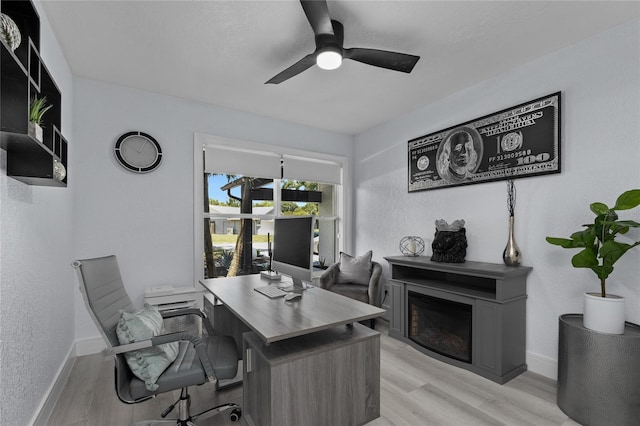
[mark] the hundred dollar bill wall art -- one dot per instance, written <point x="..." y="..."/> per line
<point x="516" y="142"/>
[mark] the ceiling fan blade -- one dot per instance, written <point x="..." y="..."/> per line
<point x="383" y="59"/>
<point x="317" y="13"/>
<point x="338" y="30"/>
<point x="295" y="69"/>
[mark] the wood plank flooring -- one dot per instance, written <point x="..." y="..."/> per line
<point x="415" y="390"/>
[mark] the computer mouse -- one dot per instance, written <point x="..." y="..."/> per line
<point x="292" y="296"/>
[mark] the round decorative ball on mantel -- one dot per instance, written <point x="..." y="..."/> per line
<point x="412" y="246"/>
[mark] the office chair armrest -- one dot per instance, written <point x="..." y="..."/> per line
<point x="190" y="311"/>
<point x="329" y="276"/>
<point x="154" y="341"/>
<point x="129" y="347"/>
<point x="374" y="284"/>
<point x="200" y="347"/>
<point x="198" y="344"/>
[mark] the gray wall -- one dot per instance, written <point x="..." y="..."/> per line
<point x="600" y="83"/>
<point x="147" y="220"/>
<point x="36" y="279"/>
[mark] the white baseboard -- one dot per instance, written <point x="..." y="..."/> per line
<point x="52" y="394"/>
<point x="89" y="346"/>
<point x="542" y="365"/>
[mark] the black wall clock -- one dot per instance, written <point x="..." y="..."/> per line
<point x="138" y="152"/>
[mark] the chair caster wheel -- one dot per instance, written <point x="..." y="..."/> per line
<point x="235" y="415"/>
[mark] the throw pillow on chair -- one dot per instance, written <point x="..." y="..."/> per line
<point x="355" y="270"/>
<point x="149" y="363"/>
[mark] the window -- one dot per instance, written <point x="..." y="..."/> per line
<point x="242" y="187"/>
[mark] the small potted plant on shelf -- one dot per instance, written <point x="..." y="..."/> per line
<point x="599" y="252"/>
<point x="37" y="110"/>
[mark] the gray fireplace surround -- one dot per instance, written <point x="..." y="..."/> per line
<point x="496" y="294"/>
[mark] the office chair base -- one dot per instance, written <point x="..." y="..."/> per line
<point x="236" y="413"/>
<point x="183" y="406"/>
<point x="155" y="422"/>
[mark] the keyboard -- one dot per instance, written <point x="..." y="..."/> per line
<point x="271" y="291"/>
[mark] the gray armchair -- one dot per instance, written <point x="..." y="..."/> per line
<point x="200" y="359"/>
<point x="333" y="279"/>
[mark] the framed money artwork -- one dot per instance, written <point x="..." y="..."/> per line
<point x="516" y="142"/>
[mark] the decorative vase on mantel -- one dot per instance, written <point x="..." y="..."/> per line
<point x="512" y="256"/>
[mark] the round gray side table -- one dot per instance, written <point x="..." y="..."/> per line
<point x="598" y="374"/>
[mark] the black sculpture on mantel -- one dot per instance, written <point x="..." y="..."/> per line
<point x="450" y="242"/>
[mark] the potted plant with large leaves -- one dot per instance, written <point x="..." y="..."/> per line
<point x="599" y="252"/>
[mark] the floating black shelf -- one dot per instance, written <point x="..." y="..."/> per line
<point x="24" y="77"/>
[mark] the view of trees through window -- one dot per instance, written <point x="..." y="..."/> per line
<point x="239" y="213"/>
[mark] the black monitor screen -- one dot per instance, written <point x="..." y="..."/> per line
<point x="292" y="240"/>
<point x="293" y="247"/>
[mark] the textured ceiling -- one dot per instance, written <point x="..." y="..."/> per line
<point x="222" y="52"/>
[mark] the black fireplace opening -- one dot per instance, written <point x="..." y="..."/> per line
<point x="440" y="325"/>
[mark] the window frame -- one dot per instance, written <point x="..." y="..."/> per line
<point x="342" y="213"/>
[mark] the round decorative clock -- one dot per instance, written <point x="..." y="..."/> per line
<point x="138" y="152"/>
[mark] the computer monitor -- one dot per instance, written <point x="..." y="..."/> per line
<point x="292" y="253"/>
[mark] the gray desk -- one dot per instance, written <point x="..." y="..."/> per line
<point x="274" y="319"/>
<point x="303" y="365"/>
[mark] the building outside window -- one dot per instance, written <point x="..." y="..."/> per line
<point x="239" y="211"/>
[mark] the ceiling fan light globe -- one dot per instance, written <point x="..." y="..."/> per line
<point x="329" y="60"/>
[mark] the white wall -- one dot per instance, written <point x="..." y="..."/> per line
<point x="600" y="83"/>
<point x="36" y="279"/>
<point x="147" y="220"/>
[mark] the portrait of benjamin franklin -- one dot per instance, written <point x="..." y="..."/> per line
<point x="459" y="154"/>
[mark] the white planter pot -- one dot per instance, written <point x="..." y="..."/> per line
<point x="35" y="131"/>
<point x="604" y="314"/>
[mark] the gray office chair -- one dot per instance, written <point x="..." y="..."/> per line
<point x="370" y="293"/>
<point x="200" y="359"/>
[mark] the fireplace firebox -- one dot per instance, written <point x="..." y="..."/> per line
<point x="440" y="325"/>
<point x="471" y="315"/>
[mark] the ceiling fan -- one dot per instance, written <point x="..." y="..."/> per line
<point x="330" y="51"/>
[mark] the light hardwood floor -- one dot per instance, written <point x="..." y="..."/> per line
<point x="415" y="390"/>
